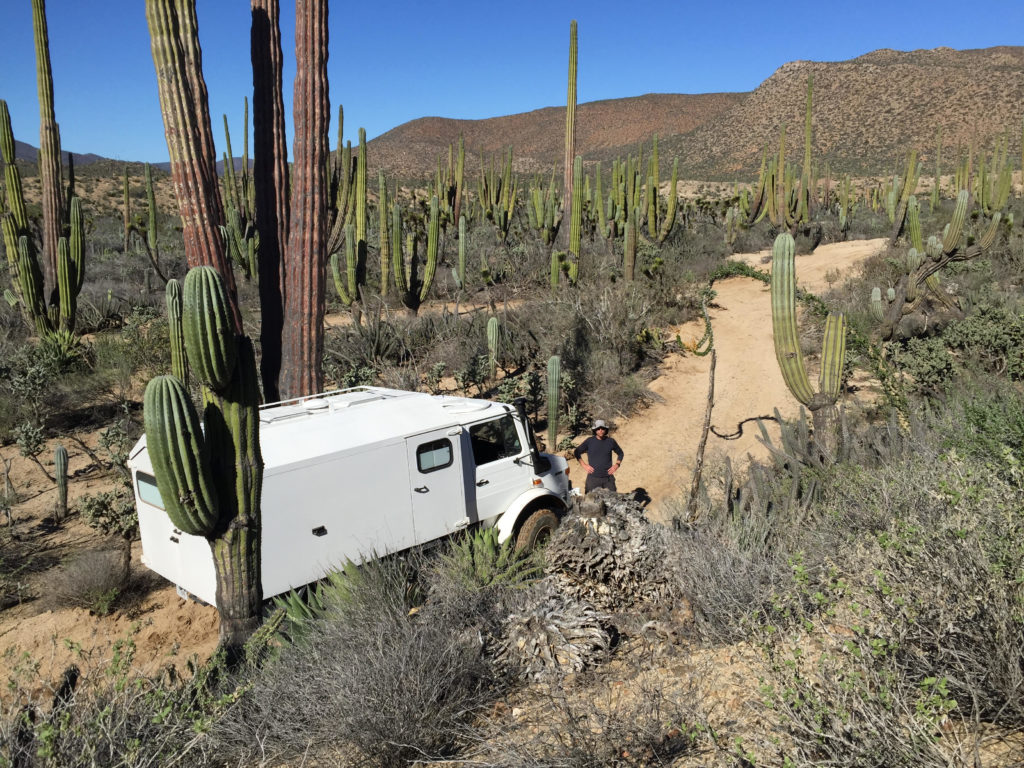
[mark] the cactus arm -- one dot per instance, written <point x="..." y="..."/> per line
<point x="398" y="263"/>
<point x="66" y="285"/>
<point x="179" y="365"/>
<point x="208" y="331"/>
<point x="493" y="331"/>
<point x="554" y="376"/>
<point x="784" y="331"/>
<point x="433" y="235"/>
<point x="180" y="457"/>
<point x="833" y="356"/>
<point x="384" y="241"/>
<point x="955" y="228"/>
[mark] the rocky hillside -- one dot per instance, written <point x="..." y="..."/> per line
<point x="869" y="111"/>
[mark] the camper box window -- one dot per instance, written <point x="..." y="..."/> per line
<point x="148" y="491"/>
<point x="493" y="440"/>
<point x="434" y="455"/>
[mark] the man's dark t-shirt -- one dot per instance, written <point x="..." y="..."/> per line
<point x="599" y="453"/>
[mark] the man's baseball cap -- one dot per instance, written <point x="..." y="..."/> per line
<point x="599" y="424"/>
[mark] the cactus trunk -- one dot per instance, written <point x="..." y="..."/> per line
<point x="302" y="341"/>
<point x="270" y="181"/>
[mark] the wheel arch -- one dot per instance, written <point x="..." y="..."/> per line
<point x="519" y="510"/>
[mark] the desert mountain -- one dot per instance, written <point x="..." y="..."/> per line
<point x="867" y="113"/>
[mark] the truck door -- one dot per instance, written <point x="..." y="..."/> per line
<point x="436" y="472"/>
<point x="499" y="477"/>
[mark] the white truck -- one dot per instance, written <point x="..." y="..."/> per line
<point x="354" y="474"/>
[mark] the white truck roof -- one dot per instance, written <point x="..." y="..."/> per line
<point x="294" y="432"/>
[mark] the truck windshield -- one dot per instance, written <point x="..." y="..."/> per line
<point x="493" y="440"/>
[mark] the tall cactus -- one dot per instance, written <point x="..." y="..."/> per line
<point x="554" y="388"/>
<point x="231" y="412"/>
<point x="47" y="280"/>
<point x="787" y="348"/>
<point x="210" y="479"/>
<point x="60" y="472"/>
<point x="384" y="238"/>
<point x="568" y="202"/>
<point x="629" y="246"/>
<point x="673" y="203"/>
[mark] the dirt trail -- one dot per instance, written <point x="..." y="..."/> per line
<point x="661" y="441"/>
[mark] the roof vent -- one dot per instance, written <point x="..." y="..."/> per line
<point x="315" y="404"/>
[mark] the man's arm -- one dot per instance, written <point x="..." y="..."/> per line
<point x="617" y="450"/>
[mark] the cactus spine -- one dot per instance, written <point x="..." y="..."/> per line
<point x="493" y="339"/>
<point x="787" y="347"/>
<point x="554" y="378"/>
<point x="60" y="472"/>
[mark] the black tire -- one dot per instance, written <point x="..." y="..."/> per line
<point x="537" y="528"/>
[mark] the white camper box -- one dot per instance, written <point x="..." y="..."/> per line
<point x="359" y="473"/>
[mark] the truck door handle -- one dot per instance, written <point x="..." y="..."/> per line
<point x="482" y="482"/>
<point x="421" y="489"/>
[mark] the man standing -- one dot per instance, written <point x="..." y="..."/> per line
<point x="598" y="465"/>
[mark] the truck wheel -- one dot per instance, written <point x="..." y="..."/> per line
<point x="537" y="528"/>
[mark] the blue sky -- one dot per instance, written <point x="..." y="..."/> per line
<point x="393" y="62"/>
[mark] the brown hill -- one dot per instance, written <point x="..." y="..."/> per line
<point x="867" y="113"/>
<point x="537" y="137"/>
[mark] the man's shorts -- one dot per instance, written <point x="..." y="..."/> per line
<point x="594" y="482"/>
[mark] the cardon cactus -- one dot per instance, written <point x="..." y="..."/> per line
<point x="493" y="339"/>
<point x="60" y="471"/>
<point x="180" y="456"/>
<point x="554" y="380"/>
<point x="210" y="479"/>
<point x="787" y="346"/>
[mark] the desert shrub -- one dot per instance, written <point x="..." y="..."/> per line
<point x="927" y="627"/>
<point x="92" y="580"/>
<point x="990" y="338"/>
<point x="928" y="363"/>
<point x="595" y="723"/>
<point x="371" y="682"/>
<point x="105" y="713"/>
<point x="110" y="513"/>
